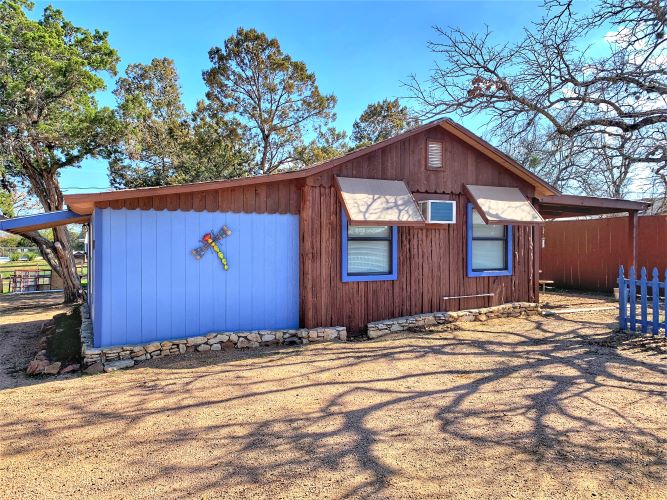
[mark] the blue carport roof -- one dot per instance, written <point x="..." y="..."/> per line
<point x="42" y="221"/>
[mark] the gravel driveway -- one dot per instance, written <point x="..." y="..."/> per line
<point x="538" y="407"/>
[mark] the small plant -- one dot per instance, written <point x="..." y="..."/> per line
<point x="14" y="256"/>
<point x="31" y="256"/>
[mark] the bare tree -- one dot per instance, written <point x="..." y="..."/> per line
<point x="552" y="84"/>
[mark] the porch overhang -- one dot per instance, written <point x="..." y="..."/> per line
<point x="566" y="206"/>
<point x="378" y="202"/>
<point x="42" y="221"/>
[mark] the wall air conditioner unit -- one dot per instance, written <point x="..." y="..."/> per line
<point x="438" y="211"/>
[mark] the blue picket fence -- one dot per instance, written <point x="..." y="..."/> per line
<point x="648" y="291"/>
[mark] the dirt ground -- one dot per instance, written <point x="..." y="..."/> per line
<point x="528" y="408"/>
<point x="567" y="299"/>
<point x="21" y="317"/>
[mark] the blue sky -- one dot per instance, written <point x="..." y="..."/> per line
<point x="360" y="51"/>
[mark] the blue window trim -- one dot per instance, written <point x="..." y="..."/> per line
<point x="476" y="274"/>
<point x="371" y="277"/>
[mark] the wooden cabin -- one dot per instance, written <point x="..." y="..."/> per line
<point x="434" y="219"/>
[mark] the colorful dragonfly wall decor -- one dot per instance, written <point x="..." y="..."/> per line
<point x="210" y="241"/>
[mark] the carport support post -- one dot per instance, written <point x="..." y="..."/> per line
<point x="632" y="237"/>
<point x="537" y="249"/>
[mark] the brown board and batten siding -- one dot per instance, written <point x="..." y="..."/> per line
<point x="268" y="197"/>
<point x="431" y="261"/>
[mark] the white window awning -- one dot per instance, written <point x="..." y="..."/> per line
<point x="502" y="205"/>
<point x="378" y="202"/>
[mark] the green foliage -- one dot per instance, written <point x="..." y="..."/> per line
<point x="6" y="204"/>
<point x="16" y="242"/>
<point x="10" y="241"/>
<point x="276" y="98"/>
<point x="161" y="143"/>
<point x="15" y="256"/>
<point x="49" y="118"/>
<point x="328" y="144"/>
<point x="380" y="121"/>
<point x="31" y="256"/>
<point x="50" y="70"/>
<point x="76" y="238"/>
<point x="6" y="207"/>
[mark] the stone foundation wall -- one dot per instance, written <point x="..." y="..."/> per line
<point x="107" y="359"/>
<point x="514" y="310"/>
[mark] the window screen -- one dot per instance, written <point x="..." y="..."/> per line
<point x="369" y="250"/>
<point x="489" y="245"/>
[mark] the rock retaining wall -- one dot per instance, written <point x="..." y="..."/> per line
<point x="406" y="323"/>
<point x="107" y="359"/>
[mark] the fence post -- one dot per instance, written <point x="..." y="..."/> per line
<point x="655" y="296"/>
<point x="644" y="300"/>
<point x="622" y="300"/>
<point x="665" y="302"/>
<point x="632" y="290"/>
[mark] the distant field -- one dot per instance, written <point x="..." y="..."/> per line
<point x="7" y="269"/>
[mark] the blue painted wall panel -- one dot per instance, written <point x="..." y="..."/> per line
<point x="149" y="250"/>
<point x="178" y="273"/>
<point x="132" y="246"/>
<point x="149" y="286"/>
<point x="118" y="262"/>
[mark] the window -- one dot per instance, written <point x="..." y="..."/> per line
<point x="489" y="247"/>
<point x="369" y="252"/>
<point x="434" y="154"/>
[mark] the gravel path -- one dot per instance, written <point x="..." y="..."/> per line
<point x="528" y="408"/>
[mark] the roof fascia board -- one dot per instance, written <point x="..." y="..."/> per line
<point x="41" y="221"/>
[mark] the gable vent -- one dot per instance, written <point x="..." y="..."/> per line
<point x="434" y="154"/>
<point x="438" y="211"/>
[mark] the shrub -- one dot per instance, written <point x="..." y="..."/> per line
<point x="31" y="256"/>
<point x="14" y="256"/>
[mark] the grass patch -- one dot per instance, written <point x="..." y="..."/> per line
<point x="65" y="345"/>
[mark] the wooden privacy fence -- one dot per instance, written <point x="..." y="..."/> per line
<point x="586" y="254"/>
<point x="649" y="291"/>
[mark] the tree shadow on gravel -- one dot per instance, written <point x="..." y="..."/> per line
<point x="555" y="394"/>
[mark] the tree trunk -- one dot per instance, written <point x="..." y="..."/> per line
<point x="58" y="253"/>
<point x="265" y="154"/>
<point x="71" y="282"/>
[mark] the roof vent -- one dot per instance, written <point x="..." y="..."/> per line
<point x="434" y="154"/>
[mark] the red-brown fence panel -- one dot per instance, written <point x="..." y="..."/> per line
<point x="586" y="254"/>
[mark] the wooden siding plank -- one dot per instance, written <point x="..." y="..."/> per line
<point x="133" y="295"/>
<point x="149" y="271"/>
<point x="199" y="201"/>
<point x="212" y="204"/>
<point x="117" y="280"/>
